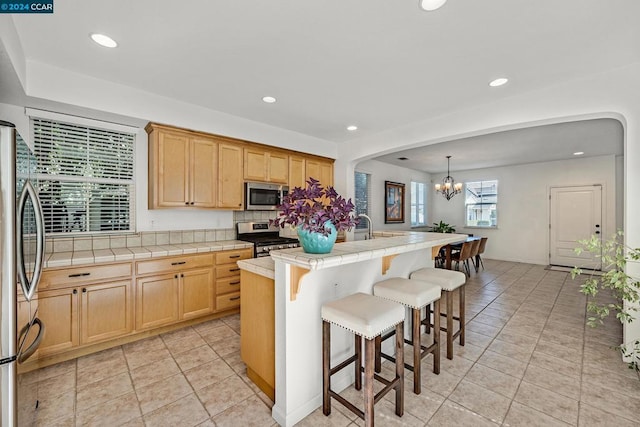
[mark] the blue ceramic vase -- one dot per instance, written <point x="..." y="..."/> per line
<point x="316" y="243"/>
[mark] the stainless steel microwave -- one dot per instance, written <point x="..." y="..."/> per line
<point x="260" y="196"/>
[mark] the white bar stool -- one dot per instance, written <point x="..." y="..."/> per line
<point x="449" y="281"/>
<point x="414" y="294"/>
<point x="366" y="316"/>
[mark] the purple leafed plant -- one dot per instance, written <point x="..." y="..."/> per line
<point x="309" y="208"/>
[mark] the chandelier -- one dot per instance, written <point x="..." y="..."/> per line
<point x="449" y="187"/>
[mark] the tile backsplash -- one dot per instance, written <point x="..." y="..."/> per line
<point x="154" y="238"/>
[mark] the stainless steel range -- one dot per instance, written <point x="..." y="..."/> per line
<point x="264" y="238"/>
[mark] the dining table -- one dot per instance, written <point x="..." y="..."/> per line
<point x="450" y="248"/>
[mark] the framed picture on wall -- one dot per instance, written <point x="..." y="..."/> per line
<point x="393" y="202"/>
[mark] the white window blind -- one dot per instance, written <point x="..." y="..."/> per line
<point x="363" y="197"/>
<point x="85" y="177"/>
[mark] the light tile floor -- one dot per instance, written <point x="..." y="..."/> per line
<point x="529" y="360"/>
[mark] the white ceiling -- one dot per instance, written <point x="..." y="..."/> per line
<point x="596" y="137"/>
<point x="378" y="64"/>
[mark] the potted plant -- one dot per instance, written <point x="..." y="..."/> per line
<point x="614" y="255"/>
<point x="443" y="227"/>
<point x="318" y="213"/>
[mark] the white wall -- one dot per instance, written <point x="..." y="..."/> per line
<point x="381" y="172"/>
<point x="523" y="204"/>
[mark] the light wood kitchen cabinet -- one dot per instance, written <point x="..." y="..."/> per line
<point x="320" y="170"/>
<point x="228" y="278"/>
<point x="297" y="172"/>
<point x="257" y="330"/>
<point x="230" y="177"/>
<point x="80" y="306"/>
<point x="177" y="288"/>
<point x="266" y="166"/>
<point x="183" y="169"/>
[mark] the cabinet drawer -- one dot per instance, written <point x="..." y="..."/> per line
<point x="167" y="264"/>
<point x="67" y="277"/>
<point x="227" y="301"/>
<point x="233" y="256"/>
<point x="228" y="270"/>
<point x="228" y="284"/>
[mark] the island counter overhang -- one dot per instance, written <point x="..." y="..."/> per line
<point x="303" y="282"/>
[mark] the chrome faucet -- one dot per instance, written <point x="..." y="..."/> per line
<point x="369" y="226"/>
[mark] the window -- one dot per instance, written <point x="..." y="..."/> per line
<point x="85" y="177"/>
<point x="418" y="204"/>
<point x="481" y="204"/>
<point x="363" y="197"/>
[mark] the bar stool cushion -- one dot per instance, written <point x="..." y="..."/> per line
<point x="412" y="293"/>
<point x="363" y="314"/>
<point x="447" y="279"/>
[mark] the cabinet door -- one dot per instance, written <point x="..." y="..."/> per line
<point x="196" y="293"/>
<point x="230" y="177"/>
<point x="156" y="301"/>
<point x="297" y="174"/>
<point x="105" y="311"/>
<point x="255" y="165"/>
<point x="58" y="310"/>
<point x="172" y="170"/>
<point x="320" y="170"/>
<point x="203" y="173"/>
<point x="278" y="168"/>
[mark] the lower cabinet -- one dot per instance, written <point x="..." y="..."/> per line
<point x="156" y="301"/>
<point x="196" y="293"/>
<point x="80" y="315"/>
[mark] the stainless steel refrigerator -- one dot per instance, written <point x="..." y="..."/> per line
<point x="21" y="259"/>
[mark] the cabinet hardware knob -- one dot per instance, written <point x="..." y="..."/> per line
<point x="175" y="277"/>
<point x="234" y="298"/>
<point x="186" y="203"/>
<point x="192" y="203"/>
<point x="84" y="290"/>
<point x="182" y="275"/>
<point x="75" y="291"/>
<point x="234" y="283"/>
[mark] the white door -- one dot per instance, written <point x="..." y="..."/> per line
<point x="576" y="214"/>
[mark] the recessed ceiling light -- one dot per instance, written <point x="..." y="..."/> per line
<point x="578" y="153"/>
<point x="103" y="40"/>
<point x="498" y="82"/>
<point x="352" y="127"/>
<point x="269" y="99"/>
<point x="430" y="5"/>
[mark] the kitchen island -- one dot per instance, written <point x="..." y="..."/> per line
<point x="303" y="282"/>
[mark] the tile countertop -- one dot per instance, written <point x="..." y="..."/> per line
<point x="264" y="266"/>
<point x="383" y="244"/>
<point x="65" y="259"/>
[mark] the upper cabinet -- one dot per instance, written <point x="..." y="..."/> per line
<point x="195" y="170"/>
<point x="266" y="165"/>
<point x="230" y="183"/>
<point x="189" y="169"/>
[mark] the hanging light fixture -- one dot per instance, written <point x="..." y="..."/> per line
<point x="449" y="187"/>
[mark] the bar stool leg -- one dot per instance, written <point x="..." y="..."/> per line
<point x="378" y="367"/>
<point x="369" y="355"/>
<point x="417" y="348"/>
<point x="358" y="362"/>
<point x="427" y="325"/>
<point x="400" y="366"/>
<point x="436" y="336"/>
<point x="462" y="314"/>
<point x="326" y="367"/>
<point x="449" y="323"/>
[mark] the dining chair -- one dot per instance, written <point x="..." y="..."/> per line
<point x="483" y="244"/>
<point x="475" y="247"/>
<point x="463" y="257"/>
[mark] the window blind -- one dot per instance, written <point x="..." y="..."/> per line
<point x="363" y="197"/>
<point x="85" y="176"/>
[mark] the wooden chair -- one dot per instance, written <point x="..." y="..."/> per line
<point x="483" y="244"/>
<point x="474" y="253"/>
<point x="463" y="257"/>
